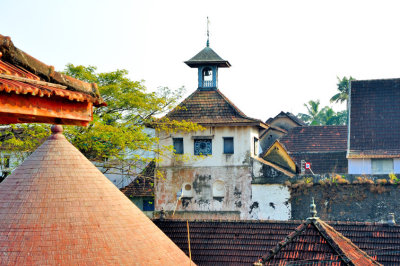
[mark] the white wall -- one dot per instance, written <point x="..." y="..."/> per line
<point x="272" y="201"/>
<point x="242" y="138"/>
<point x="364" y="166"/>
<point x="359" y="166"/>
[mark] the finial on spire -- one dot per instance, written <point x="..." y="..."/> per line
<point x="208" y="33"/>
<point x="56" y="131"/>
<point x="313" y="209"/>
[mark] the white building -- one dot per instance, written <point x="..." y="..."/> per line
<point x="215" y="175"/>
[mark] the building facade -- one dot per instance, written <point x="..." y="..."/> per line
<point x="209" y="173"/>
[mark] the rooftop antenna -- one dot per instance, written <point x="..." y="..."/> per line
<point x="208" y="32"/>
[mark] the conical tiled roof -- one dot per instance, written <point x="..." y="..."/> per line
<point x="57" y="208"/>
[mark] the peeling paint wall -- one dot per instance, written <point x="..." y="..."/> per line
<point x="236" y="185"/>
<point x="219" y="184"/>
<point x="270" y="202"/>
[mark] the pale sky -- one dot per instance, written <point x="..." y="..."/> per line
<point x="283" y="53"/>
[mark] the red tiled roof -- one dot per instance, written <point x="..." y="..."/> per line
<point x="315" y="139"/>
<point x="374" y="119"/>
<point x="20" y="73"/>
<point x="244" y="242"/>
<point x="327" y="246"/>
<point x="211" y="107"/>
<point x="57" y="208"/>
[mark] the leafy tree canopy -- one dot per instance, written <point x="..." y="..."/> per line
<point x="118" y="132"/>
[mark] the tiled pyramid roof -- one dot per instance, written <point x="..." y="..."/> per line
<point x="211" y="108"/>
<point x="57" y="208"/>
<point x="207" y="56"/>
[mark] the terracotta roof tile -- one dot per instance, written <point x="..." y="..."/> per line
<point x="244" y="242"/>
<point x="324" y="147"/>
<point x="210" y="107"/>
<point x="374" y="123"/>
<point x="57" y="208"/>
<point x="21" y="73"/>
<point x="316" y="139"/>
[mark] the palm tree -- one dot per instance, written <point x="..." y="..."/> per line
<point x="312" y="116"/>
<point x="343" y="87"/>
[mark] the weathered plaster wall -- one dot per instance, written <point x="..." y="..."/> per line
<point x="236" y="185"/>
<point x="243" y="142"/>
<point x="270" y="202"/>
<point x="347" y="202"/>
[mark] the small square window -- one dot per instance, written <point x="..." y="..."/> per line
<point x="178" y="145"/>
<point x="228" y="145"/>
<point x="202" y="147"/>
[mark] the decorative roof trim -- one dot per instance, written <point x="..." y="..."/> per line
<point x="19" y="58"/>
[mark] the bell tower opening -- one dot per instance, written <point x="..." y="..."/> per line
<point x="208" y="78"/>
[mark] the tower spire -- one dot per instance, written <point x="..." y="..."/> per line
<point x="208" y="32"/>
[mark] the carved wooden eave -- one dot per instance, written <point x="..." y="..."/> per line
<point x="32" y="92"/>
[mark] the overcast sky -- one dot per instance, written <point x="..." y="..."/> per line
<point x="283" y="53"/>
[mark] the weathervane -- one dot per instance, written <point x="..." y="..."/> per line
<point x="208" y="33"/>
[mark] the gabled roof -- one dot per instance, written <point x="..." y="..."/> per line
<point x="316" y="235"/>
<point x="278" y="155"/>
<point x="211" y="108"/>
<point x="374" y="120"/>
<point x="58" y="208"/>
<point x="315" y="139"/>
<point x="244" y="242"/>
<point x="207" y="56"/>
<point x="289" y="115"/>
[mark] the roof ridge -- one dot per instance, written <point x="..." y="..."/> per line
<point x="346" y="255"/>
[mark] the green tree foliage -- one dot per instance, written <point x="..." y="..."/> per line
<point x="316" y="116"/>
<point x="117" y="137"/>
<point x="343" y="87"/>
